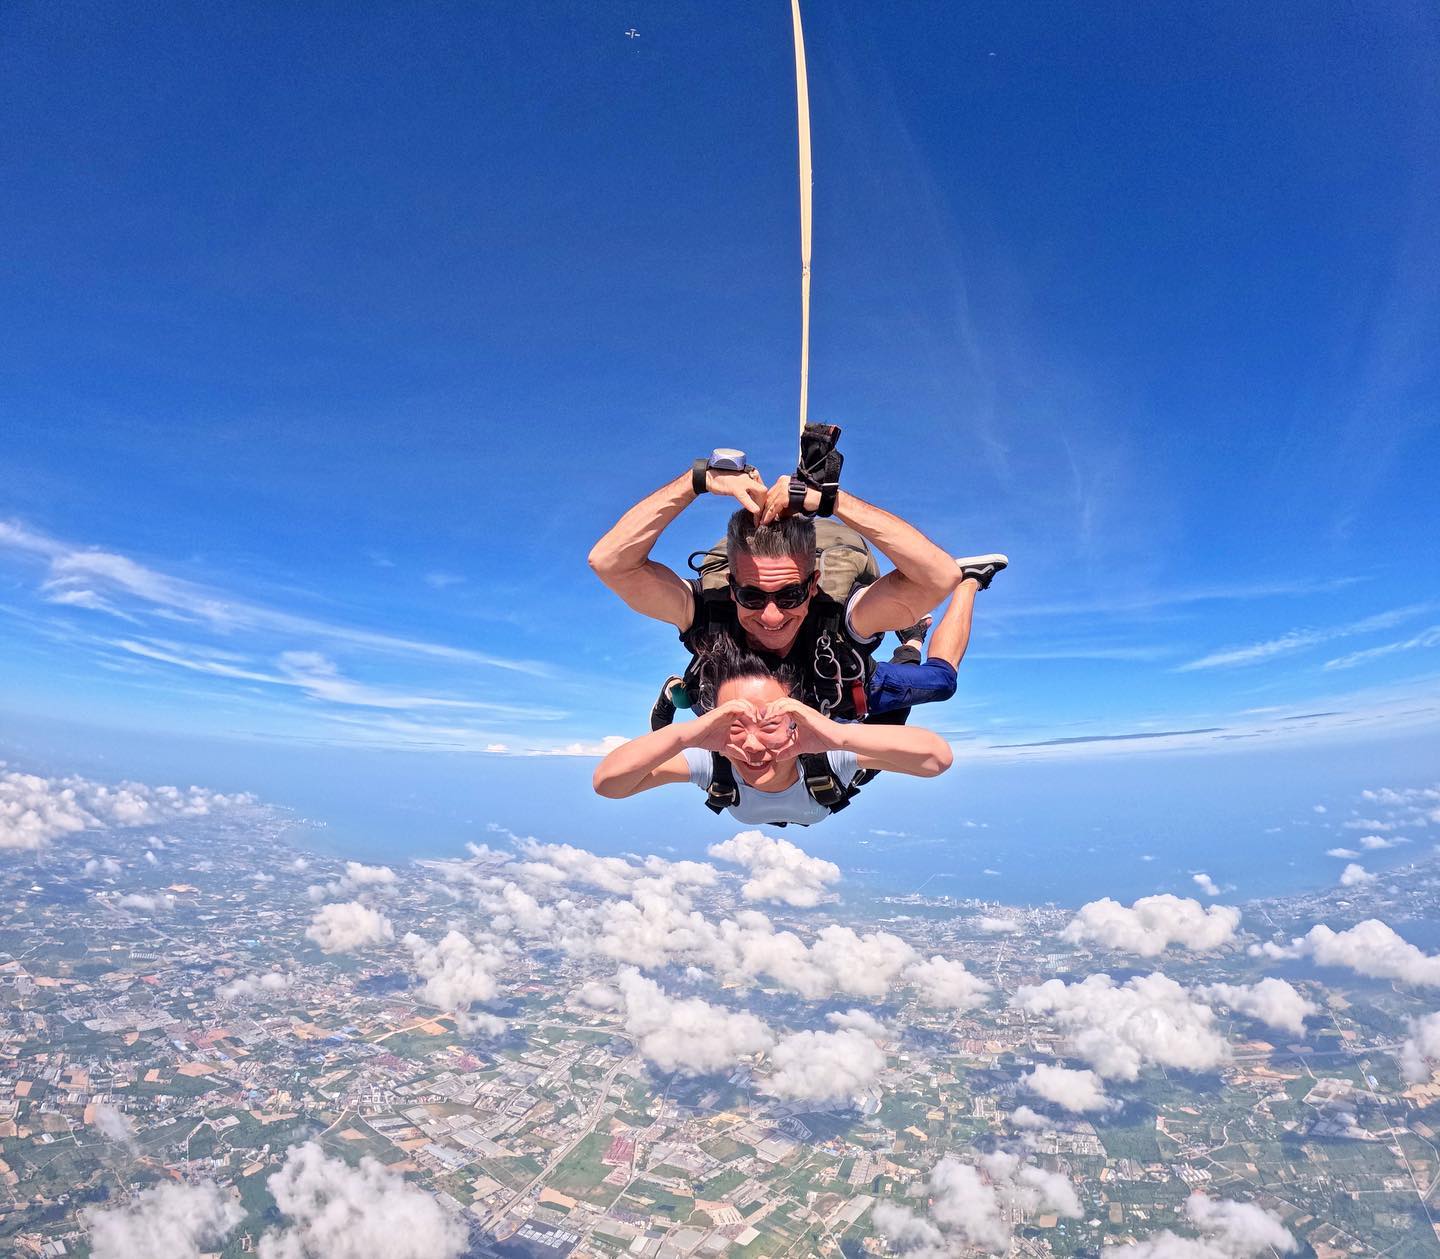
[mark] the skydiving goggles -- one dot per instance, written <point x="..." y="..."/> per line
<point x="786" y="598"/>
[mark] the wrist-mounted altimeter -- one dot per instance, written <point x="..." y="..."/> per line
<point x="722" y="459"/>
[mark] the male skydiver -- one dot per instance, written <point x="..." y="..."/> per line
<point x="773" y="604"/>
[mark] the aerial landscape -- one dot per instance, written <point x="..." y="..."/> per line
<point x="215" y="1038"/>
<point x="791" y="629"/>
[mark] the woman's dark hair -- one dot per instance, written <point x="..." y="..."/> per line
<point x="721" y="659"/>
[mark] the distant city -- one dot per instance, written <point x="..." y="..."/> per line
<point x="216" y="1041"/>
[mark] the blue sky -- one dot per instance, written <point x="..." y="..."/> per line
<point x="334" y="336"/>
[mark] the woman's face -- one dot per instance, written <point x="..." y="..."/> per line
<point x="758" y="749"/>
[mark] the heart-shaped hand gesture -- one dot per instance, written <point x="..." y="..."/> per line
<point x="809" y="730"/>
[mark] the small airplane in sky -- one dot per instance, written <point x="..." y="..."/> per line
<point x="632" y="33"/>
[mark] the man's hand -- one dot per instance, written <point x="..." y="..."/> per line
<point x="810" y="731"/>
<point x="777" y="501"/>
<point x="711" y="733"/>
<point x="747" y="488"/>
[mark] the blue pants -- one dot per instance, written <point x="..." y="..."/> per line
<point x="896" y="685"/>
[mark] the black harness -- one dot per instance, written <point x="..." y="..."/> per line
<point x="833" y="678"/>
<point x="822" y="784"/>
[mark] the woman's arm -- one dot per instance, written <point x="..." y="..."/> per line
<point x="657" y="759"/>
<point x="899" y="749"/>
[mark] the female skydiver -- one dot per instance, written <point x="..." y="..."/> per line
<point x="762" y="755"/>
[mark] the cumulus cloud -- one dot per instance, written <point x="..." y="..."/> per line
<point x="600" y="996"/>
<point x="1119" y="1028"/>
<point x="860" y="1021"/>
<point x="1375" y="843"/>
<point x="1420" y="1054"/>
<point x="1152" y="925"/>
<point x="1341" y="852"/>
<point x="144" y="903"/>
<point x="687" y="1034"/>
<point x="36" y="810"/>
<point x="176" y="1220"/>
<point x="481" y="1023"/>
<point x="357" y="880"/>
<point x="456" y="971"/>
<point x="1075" y="1091"/>
<point x="779" y="870"/>
<point x="1273" y="1001"/>
<point x="1206" y="884"/>
<point x="348" y="927"/>
<point x="105" y="865"/>
<point x="968" y="1208"/>
<point x="564" y="863"/>
<point x="997" y="926"/>
<point x="1228" y="1230"/>
<point x="944" y="982"/>
<point x="824" y="1067"/>
<point x="839" y="960"/>
<point x="114" y="1125"/>
<point x="343" y="1212"/>
<point x="1354" y="875"/>
<point x="1025" y="1117"/>
<point x="256" y="987"/>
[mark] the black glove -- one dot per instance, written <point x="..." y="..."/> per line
<point x="819" y="467"/>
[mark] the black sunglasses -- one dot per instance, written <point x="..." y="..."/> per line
<point x="786" y="598"/>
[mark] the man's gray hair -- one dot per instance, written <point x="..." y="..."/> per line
<point x="790" y="536"/>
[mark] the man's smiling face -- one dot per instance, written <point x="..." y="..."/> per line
<point x="772" y="628"/>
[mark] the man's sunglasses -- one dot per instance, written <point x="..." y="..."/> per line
<point x="786" y="598"/>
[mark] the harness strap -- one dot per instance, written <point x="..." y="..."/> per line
<point x="723" y="792"/>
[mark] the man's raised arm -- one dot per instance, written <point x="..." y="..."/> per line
<point x="621" y="559"/>
<point x="924" y="575"/>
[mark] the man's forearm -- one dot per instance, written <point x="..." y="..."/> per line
<point x="917" y="560"/>
<point x="627" y="546"/>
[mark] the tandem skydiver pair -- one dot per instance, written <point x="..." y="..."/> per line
<point x="782" y="622"/>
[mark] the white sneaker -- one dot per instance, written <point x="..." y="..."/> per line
<point x="982" y="567"/>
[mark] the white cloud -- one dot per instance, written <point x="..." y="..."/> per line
<point x="114" y="1125"/>
<point x="1301" y="639"/>
<point x="1376" y="842"/>
<point x="1272" y="1001"/>
<point x="174" y="1220"/>
<point x="1354" y="875"/>
<point x="1152" y="925"/>
<point x="971" y="1209"/>
<point x="456" y="971"/>
<point x="1119" y="1028"/>
<point x="1420" y="1054"/>
<point x="687" y="1034"/>
<point x="480" y="1023"/>
<point x="1076" y="1091"/>
<point x="1228" y="1230"/>
<point x="349" y="926"/>
<point x="779" y="870"/>
<point x="359" y="879"/>
<point x="1341" y="852"/>
<point x="256" y="987"/>
<point x="997" y="926"/>
<point x="105" y="865"/>
<point x="1425" y="638"/>
<point x="860" y="1021"/>
<point x="1025" y="1117"/>
<point x="1369" y="948"/>
<point x="945" y="982"/>
<point x="600" y="996"/>
<point x="36" y="810"/>
<point x="144" y="903"/>
<point x="1206" y="884"/>
<point x="342" y="1212"/>
<point x="824" y="1067"/>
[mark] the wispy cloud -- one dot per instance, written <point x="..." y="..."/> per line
<point x="90" y="571"/>
<point x="1300" y="640"/>
<point x="317" y="677"/>
<point x="1425" y="638"/>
